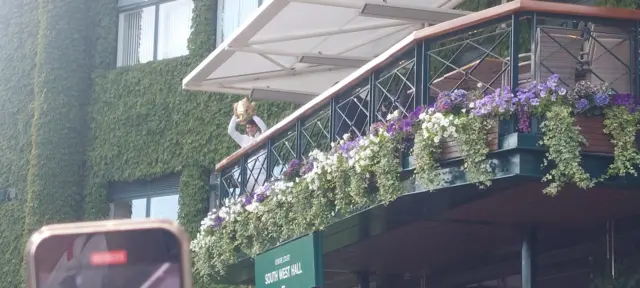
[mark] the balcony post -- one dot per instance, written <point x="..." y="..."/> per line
<point x="269" y="157"/>
<point x="514" y="52"/>
<point x="635" y="61"/>
<point x="223" y="193"/>
<point x="528" y="257"/>
<point x="373" y="99"/>
<point x="332" y="120"/>
<point x="534" y="45"/>
<point x="418" y="58"/>
<point x="298" y="139"/>
<point x="426" y="72"/>
<point x="243" y="175"/>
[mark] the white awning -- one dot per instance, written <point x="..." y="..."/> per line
<point x="295" y="49"/>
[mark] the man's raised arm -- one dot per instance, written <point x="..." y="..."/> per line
<point x="232" y="130"/>
<point x="261" y="124"/>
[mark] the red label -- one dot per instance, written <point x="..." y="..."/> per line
<point x="116" y="257"/>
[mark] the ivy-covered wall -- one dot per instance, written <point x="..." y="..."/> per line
<point x="71" y="123"/>
<point x="18" y="35"/>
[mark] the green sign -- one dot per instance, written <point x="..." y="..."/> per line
<point x="295" y="264"/>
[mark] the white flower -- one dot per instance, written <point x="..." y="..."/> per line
<point x="393" y="116"/>
<point x="253" y="207"/>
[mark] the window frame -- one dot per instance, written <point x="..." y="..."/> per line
<point x="218" y="20"/>
<point x="156" y="25"/>
<point x="145" y="194"/>
<point x="147" y="198"/>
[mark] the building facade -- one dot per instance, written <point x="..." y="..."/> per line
<point x="94" y="123"/>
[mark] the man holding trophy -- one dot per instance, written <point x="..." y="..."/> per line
<point x="244" y="112"/>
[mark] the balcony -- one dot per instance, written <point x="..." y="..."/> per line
<point x="580" y="44"/>
<point x="512" y="45"/>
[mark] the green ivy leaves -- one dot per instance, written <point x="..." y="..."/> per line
<point x="472" y="138"/>
<point x="622" y="126"/>
<point x="564" y="142"/>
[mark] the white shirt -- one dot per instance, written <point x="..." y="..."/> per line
<point x="242" y="139"/>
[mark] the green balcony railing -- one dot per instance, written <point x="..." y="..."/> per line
<point x="510" y="45"/>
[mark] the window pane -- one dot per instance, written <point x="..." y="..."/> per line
<point x="136" y="30"/>
<point x="174" y="27"/>
<point x="232" y="14"/>
<point x="165" y="207"/>
<point x="131" y="209"/>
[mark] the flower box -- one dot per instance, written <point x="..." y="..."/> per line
<point x="592" y="129"/>
<point x="450" y="149"/>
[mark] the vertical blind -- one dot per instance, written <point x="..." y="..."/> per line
<point x="174" y="28"/>
<point x="137" y="39"/>
<point x="136" y="35"/>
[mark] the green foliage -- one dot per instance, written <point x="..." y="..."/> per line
<point x="194" y="198"/>
<point x="63" y="86"/>
<point x="144" y="125"/>
<point x="18" y="37"/>
<point x="427" y="148"/>
<point x="105" y="31"/>
<point x="291" y="207"/>
<point x="622" y="126"/>
<point x="11" y="224"/>
<point x="472" y="140"/>
<point x="564" y="142"/>
<point x="202" y="40"/>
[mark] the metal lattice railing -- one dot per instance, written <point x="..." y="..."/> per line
<point x="511" y="51"/>
<point x="395" y="89"/>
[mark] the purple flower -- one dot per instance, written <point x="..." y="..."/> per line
<point x="562" y="91"/>
<point x="444" y="104"/>
<point x="458" y="96"/>
<point x="248" y="199"/>
<point x="524" y="124"/>
<point x="259" y="198"/>
<point x="552" y="81"/>
<point x="626" y="100"/>
<point x="391" y="128"/>
<point x="295" y="163"/>
<point x="307" y="168"/>
<point x="542" y="87"/>
<point x="622" y="99"/>
<point x="376" y="128"/>
<point x="601" y="99"/>
<point x="406" y="125"/>
<point x="415" y="114"/>
<point x="582" y="105"/>
<point x="217" y="222"/>
<point x="534" y="101"/>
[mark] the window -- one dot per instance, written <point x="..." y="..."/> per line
<point x="156" y="198"/>
<point x="232" y="14"/>
<point x="153" y="30"/>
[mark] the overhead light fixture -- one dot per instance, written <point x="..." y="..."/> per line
<point x="280" y="95"/>
<point x="423" y="15"/>
<point x="340" y="61"/>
